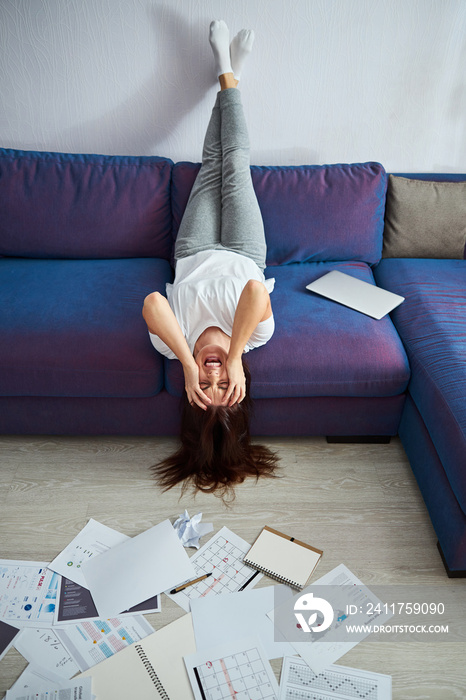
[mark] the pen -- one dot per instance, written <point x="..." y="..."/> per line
<point x="190" y="583"/>
<point x="248" y="581"/>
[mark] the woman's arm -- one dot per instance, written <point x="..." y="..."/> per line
<point x="162" y="321"/>
<point x="253" y="307"/>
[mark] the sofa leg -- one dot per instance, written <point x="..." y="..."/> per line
<point x="451" y="574"/>
<point x="358" y="439"/>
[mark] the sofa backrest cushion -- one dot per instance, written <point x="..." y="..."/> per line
<point x="61" y="205"/>
<point x="425" y="217"/>
<point x="311" y="213"/>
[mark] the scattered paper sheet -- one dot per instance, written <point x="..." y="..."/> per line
<point x="190" y="530"/>
<point x="7" y="636"/>
<point x="36" y="678"/>
<point x="28" y="592"/>
<point x="93" y="539"/>
<point x="236" y="669"/>
<point x="297" y="680"/>
<point x="75" y="604"/>
<point x="221" y="618"/>
<point x="91" y="642"/>
<point x="44" y="649"/>
<point x="223" y="556"/>
<point x="81" y="689"/>
<point x="137" y="569"/>
<point x="338" y="589"/>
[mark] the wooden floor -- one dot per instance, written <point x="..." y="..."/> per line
<point x="359" y="503"/>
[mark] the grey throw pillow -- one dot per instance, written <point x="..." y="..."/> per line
<point x="424" y="219"/>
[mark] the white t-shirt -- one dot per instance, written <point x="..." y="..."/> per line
<point x="206" y="292"/>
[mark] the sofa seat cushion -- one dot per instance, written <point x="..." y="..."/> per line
<point x="312" y="213"/>
<point x="74" y="327"/>
<point x="320" y="348"/>
<point x="432" y="325"/>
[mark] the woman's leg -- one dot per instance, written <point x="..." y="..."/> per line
<point x="201" y="222"/>
<point x="242" y="227"/>
<point x="222" y="207"/>
<point x="200" y="227"/>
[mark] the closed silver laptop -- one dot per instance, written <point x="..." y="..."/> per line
<point x="361" y="296"/>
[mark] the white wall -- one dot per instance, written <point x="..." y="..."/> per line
<point x="328" y="80"/>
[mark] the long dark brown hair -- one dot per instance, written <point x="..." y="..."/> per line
<point x="216" y="451"/>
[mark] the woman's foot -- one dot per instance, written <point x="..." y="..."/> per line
<point x="219" y="38"/>
<point x="240" y="48"/>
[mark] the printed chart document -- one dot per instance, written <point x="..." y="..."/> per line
<point x="93" y="539"/>
<point x="69" y="689"/>
<point x="75" y="604"/>
<point x="222" y="556"/>
<point x="221" y="618"/>
<point x="28" y="592"/>
<point x="151" y="669"/>
<point x="297" y="680"/>
<point x="233" y="669"/>
<point x="44" y="649"/>
<point x="137" y="569"/>
<point x="335" y="594"/>
<point x="93" y="641"/>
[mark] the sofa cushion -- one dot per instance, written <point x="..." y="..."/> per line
<point x="319" y="347"/>
<point x="432" y="325"/>
<point x="61" y="205"/>
<point x="311" y="213"/>
<point x="425" y="219"/>
<point x="74" y="327"/>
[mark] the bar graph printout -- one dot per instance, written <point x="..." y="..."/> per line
<point x="28" y="592"/>
<point x="299" y="682"/>
<point x="222" y="556"/>
<point x="238" y="670"/>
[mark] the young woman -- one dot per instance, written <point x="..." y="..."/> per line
<point x="219" y="304"/>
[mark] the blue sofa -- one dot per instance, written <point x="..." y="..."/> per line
<point x="84" y="238"/>
<point x="432" y="325"/>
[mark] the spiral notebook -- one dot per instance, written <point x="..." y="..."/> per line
<point x="283" y="558"/>
<point x="150" y="669"/>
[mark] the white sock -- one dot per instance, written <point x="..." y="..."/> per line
<point x="240" y="47"/>
<point x="219" y="38"/>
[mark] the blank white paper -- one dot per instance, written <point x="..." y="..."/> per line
<point x="231" y="616"/>
<point x="137" y="569"/>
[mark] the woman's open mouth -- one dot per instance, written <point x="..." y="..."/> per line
<point x="212" y="361"/>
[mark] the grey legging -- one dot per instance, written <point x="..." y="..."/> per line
<point x="222" y="211"/>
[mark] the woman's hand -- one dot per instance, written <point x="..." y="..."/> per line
<point x="237" y="382"/>
<point x="193" y="390"/>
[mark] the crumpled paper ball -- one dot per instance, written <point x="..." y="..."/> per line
<point x="190" y="530"/>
